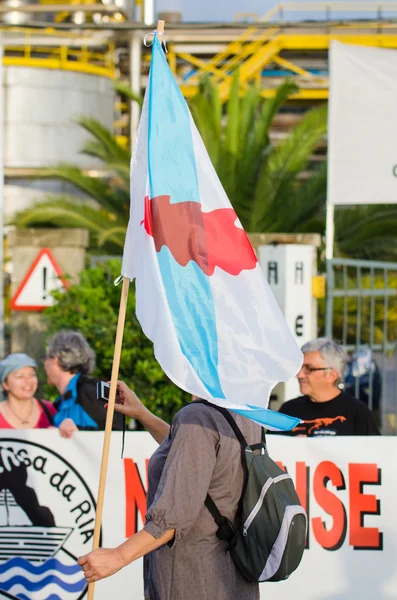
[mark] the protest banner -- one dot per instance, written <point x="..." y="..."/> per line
<point x="347" y="486"/>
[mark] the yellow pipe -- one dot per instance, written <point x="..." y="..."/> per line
<point x="202" y="65"/>
<point x="302" y="94"/>
<point x="58" y="64"/>
<point x="286" y="64"/>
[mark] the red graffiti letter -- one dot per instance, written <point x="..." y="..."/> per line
<point x="329" y="539"/>
<point x="360" y="537"/>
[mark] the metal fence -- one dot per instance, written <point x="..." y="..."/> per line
<point x="361" y="313"/>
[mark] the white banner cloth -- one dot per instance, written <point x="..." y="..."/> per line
<point x="362" y="125"/>
<point x="348" y="486"/>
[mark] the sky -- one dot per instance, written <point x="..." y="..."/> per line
<point x="225" y="10"/>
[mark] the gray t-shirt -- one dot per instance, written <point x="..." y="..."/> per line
<point x="201" y="455"/>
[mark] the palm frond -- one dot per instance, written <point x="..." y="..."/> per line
<point x="66" y="211"/>
<point x="113" y="150"/>
<point x="62" y="210"/>
<point x="249" y="104"/>
<point x="110" y="234"/>
<point x="278" y="174"/>
<point x="255" y="144"/>
<point x="272" y="106"/>
<point x="95" y="187"/>
<point x="124" y="90"/>
<point x="123" y="172"/>
<point x="206" y="109"/>
<point x="231" y="142"/>
<point x="95" y="149"/>
<point x="307" y="203"/>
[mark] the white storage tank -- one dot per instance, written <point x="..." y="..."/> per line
<point x="40" y="107"/>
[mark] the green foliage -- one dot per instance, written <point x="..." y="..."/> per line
<point x="124" y="90"/>
<point x="347" y="323"/>
<point x="262" y="181"/>
<point x="103" y="208"/>
<point x="92" y="307"/>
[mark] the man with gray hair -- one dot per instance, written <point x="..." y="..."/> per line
<point x="324" y="408"/>
<point x="68" y="362"/>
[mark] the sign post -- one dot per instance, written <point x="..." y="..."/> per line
<point x="289" y="270"/>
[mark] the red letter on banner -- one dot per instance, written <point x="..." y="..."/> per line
<point x="135" y="497"/>
<point x="360" y="537"/>
<point x="329" y="539"/>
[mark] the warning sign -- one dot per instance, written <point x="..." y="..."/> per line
<point x="43" y="277"/>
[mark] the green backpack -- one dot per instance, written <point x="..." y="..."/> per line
<point x="268" y="537"/>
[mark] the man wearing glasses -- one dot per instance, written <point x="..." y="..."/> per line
<point x="324" y="408"/>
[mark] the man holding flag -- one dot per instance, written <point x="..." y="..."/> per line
<point x="218" y="333"/>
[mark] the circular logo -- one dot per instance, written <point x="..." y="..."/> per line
<point x="395" y="170"/>
<point x="47" y="517"/>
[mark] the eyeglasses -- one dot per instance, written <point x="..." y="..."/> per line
<point x="307" y="369"/>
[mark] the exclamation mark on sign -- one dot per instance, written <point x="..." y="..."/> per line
<point x="44" y="283"/>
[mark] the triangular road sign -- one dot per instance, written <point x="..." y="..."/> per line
<point x="43" y="277"/>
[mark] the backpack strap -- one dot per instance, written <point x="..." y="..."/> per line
<point x="226" y="529"/>
<point x="230" y="420"/>
<point x="46" y="411"/>
<point x="263" y="437"/>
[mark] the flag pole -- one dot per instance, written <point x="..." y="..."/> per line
<point x="112" y="397"/>
<point x="109" y="421"/>
<point x="160" y="30"/>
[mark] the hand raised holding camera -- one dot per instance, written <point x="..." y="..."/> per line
<point x="128" y="403"/>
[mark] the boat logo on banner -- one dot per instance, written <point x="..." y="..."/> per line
<point x="43" y="277"/>
<point x="47" y="515"/>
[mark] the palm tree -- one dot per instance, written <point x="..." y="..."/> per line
<point x="107" y="216"/>
<point x="261" y="180"/>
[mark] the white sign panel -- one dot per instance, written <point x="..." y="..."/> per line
<point x="362" y="127"/>
<point x="288" y="270"/>
<point x="43" y="277"/>
<point x="47" y="489"/>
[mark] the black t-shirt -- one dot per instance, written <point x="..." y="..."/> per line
<point x="343" y="415"/>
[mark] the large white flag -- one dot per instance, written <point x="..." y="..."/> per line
<point x="201" y="296"/>
<point x="362" y="128"/>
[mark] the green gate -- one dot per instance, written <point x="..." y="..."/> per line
<point x="361" y="313"/>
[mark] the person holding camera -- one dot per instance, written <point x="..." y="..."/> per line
<point x="68" y="362"/>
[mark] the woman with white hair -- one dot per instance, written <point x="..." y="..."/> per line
<point x="68" y="362"/>
<point x="325" y="409"/>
